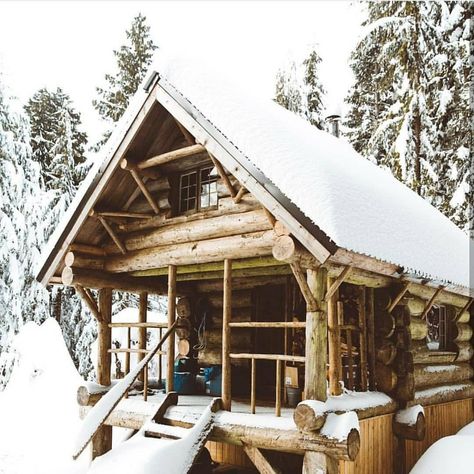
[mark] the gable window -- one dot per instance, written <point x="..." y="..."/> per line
<point x="197" y="190"/>
<point x="437" y="322"/>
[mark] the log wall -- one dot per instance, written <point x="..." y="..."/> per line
<point x="441" y="420"/>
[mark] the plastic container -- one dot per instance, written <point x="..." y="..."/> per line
<point x="184" y="383"/>
<point x="293" y="395"/>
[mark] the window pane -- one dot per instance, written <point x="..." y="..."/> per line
<point x="208" y="189"/>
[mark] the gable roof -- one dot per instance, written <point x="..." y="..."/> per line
<point x="326" y="193"/>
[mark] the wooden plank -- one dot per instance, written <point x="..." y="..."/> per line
<point x="316" y="338"/>
<point x="226" y="337"/>
<point x="288" y="358"/>
<point x="171" y="321"/>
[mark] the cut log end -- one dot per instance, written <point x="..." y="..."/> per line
<point x="416" y="431"/>
<point x="307" y="419"/>
<point x="353" y="444"/>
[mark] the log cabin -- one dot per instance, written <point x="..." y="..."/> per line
<point x="297" y="270"/>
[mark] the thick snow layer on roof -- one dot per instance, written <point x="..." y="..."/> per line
<point x="360" y="206"/>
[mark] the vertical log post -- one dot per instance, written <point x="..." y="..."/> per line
<point x="316" y="338"/>
<point x="362" y="339"/>
<point x="226" y="317"/>
<point x="253" y="380"/>
<point x="334" y="345"/>
<point x="278" y="389"/>
<point x="102" y="440"/>
<point x="370" y="313"/>
<point x="171" y="319"/>
<point x="160" y="361"/>
<point x="142" y="307"/>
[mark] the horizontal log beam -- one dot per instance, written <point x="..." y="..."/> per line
<point x="238" y="264"/>
<point x="256" y="244"/>
<point x="139" y="325"/>
<point x="73" y="259"/>
<point x="88" y="250"/>
<point x="241" y="273"/>
<point x="287" y="358"/>
<point x="101" y="279"/>
<point x="193" y="231"/>
<point x="276" y="324"/>
<point x="165" y="157"/>
<point x="235" y="432"/>
<point x="125" y="214"/>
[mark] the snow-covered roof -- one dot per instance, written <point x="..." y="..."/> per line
<point x="358" y="205"/>
<point x="334" y="195"/>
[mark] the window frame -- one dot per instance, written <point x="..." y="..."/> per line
<point x="198" y="173"/>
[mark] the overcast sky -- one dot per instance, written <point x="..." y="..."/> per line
<point x="69" y="44"/>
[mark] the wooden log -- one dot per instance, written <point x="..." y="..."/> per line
<point x="253" y="386"/>
<point x="418" y="329"/>
<point x="370" y="308"/>
<point x="465" y="351"/>
<point x="287" y="249"/>
<point x="87" y="250"/>
<point x="463" y="333"/>
<point x="282" y="357"/>
<point x="415" y="431"/>
<point x="238" y="315"/>
<point x="397" y="298"/>
<point x="278" y="389"/>
<point x="143" y="188"/>
<point x="223" y="190"/>
<point x="432" y="375"/>
<point x="386" y="378"/>
<point x="268" y="324"/>
<point x="223" y="175"/>
<point x="213" y="356"/>
<point x="431" y="302"/>
<point x="171" y="320"/>
<point x="299" y="274"/>
<point x="226" y="336"/>
<point x="382" y="299"/>
<point x="307" y="419"/>
<point x="362" y="339"/>
<point x="405" y="388"/>
<point x="386" y="352"/>
<point x="234" y="432"/>
<point x="241" y="338"/>
<point x="142" y="205"/>
<point x="423" y="355"/>
<point x="263" y="465"/>
<point x="334" y="345"/>
<point x="241" y="283"/>
<point x="239" y="273"/>
<point x="112" y="234"/>
<point x="444" y="297"/>
<point x="316" y="338"/>
<point x="102" y="279"/>
<point x="415" y="305"/>
<point x="89" y="301"/>
<point x="335" y="284"/>
<point x="73" y="259"/>
<point x="183" y="307"/>
<point x="166" y="157"/>
<point x="240" y="299"/>
<point x="443" y="394"/>
<point x="87" y="398"/>
<point x="463" y="317"/>
<point x="319" y="463"/>
<point x="403" y="363"/>
<point x="125" y="214"/>
<point x="238" y="246"/>
<point x="384" y="324"/>
<point x="204" y="229"/>
<point x="280" y="229"/>
<point x="142" y="318"/>
<point x="102" y="441"/>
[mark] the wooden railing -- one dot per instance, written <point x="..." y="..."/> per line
<point x="141" y="350"/>
<point x="278" y="358"/>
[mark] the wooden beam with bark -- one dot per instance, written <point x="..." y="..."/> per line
<point x="89" y="301"/>
<point x="112" y="234"/>
<point x="311" y="303"/>
<point x="141" y="184"/>
<point x="430" y="303"/>
<point x="399" y="296"/>
<point x="223" y="175"/>
<point x="337" y="283"/>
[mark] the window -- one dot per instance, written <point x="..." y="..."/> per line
<point x="437" y="322"/>
<point x="197" y="190"/>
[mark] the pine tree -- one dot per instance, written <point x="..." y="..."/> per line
<point x="404" y="82"/>
<point x="299" y="89"/>
<point x="22" y="229"/>
<point x="58" y="144"/>
<point x="133" y="60"/>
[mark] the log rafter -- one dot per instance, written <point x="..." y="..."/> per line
<point x="141" y="184"/>
<point x="431" y="302"/>
<point x="88" y="299"/>
<point x="312" y="305"/>
<point x="223" y="175"/>
<point x="112" y="234"/>
<point x="463" y="310"/>
<point x="399" y="296"/>
<point x="337" y="283"/>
